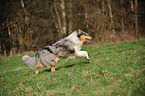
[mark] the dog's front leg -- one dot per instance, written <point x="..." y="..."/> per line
<point x="52" y="68"/>
<point x="53" y="65"/>
<point x="82" y="54"/>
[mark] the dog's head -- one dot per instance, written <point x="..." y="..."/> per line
<point x="84" y="36"/>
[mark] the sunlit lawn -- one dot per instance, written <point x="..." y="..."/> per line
<point x="114" y="70"/>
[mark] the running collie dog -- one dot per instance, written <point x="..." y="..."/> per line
<point x="67" y="47"/>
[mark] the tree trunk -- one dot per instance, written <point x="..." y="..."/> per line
<point x="63" y="17"/>
<point x="122" y="18"/>
<point x="70" y="17"/>
<point x="132" y="19"/>
<point x="111" y="17"/>
<point x="58" y="18"/>
<point x="86" y="18"/>
<point x="136" y="19"/>
<point x="103" y="17"/>
<point x="12" y="40"/>
<point x="132" y="9"/>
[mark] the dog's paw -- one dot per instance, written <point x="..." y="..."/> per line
<point x="88" y="59"/>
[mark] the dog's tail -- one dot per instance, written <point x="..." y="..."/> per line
<point x="29" y="61"/>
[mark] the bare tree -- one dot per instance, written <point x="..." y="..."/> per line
<point x="63" y="17"/>
<point x="70" y="17"/>
<point x="134" y="10"/>
<point x="58" y="24"/>
<point x="12" y="40"/>
<point x="136" y="19"/>
<point x="122" y="18"/>
<point x="111" y="17"/>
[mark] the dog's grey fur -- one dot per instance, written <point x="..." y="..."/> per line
<point x="69" y="47"/>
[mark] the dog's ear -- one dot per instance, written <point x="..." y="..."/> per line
<point x="79" y="31"/>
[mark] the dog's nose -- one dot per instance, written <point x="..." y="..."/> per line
<point x="91" y="37"/>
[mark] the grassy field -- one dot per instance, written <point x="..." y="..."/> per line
<point x="114" y="70"/>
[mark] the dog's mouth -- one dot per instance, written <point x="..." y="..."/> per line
<point x="87" y="40"/>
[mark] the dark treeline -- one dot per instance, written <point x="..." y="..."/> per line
<point x="32" y="24"/>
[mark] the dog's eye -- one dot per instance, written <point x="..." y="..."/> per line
<point x="85" y="34"/>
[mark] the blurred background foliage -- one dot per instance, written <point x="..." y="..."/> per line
<point x="27" y="25"/>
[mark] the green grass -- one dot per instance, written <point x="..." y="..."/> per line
<point x="114" y="70"/>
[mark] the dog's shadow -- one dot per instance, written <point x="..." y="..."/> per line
<point x="68" y="66"/>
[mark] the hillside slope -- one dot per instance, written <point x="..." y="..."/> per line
<point x="116" y="69"/>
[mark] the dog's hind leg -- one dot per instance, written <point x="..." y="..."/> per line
<point x="56" y="59"/>
<point x="37" y="70"/>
